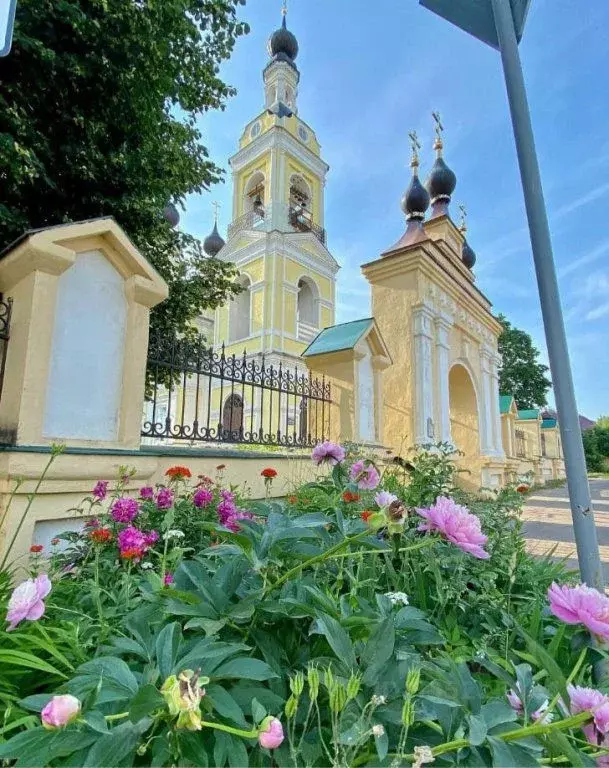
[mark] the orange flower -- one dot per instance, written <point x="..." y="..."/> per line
<point x="269" y="473"/>
<point x="55" y="542"/>
<point x="349" y="497"/>
<point x="101" y="535"/>
<point x="293" y="499"/>
<point x="36" y="548"/>
<point x="178" y="473"/>
<point x="522" y="488"/>
<point x="366" y="515"/>
<point x="133" y="553"/>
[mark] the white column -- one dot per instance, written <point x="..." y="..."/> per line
<point x="497" y="433"/>
<point x="425" y="431"/>
<point x="487" y="437"/>
<point x="443" y="325"/>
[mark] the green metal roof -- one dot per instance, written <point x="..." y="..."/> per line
<point x="548" y="423"/>
<point x="528" y="414"/>
<point x="338" y="337"/>
<point x="505" y="403"/>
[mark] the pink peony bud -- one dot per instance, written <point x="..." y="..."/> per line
<point x="60" y="711"/>
<point x="270" y="735"/>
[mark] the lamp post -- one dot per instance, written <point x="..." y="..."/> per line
<point x="500" y="24"/>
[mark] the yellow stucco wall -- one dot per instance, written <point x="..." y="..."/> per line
<point x="290" y="124"/>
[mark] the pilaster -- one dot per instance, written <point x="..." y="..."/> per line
<point x="423" y="324"/>
<point x="443" y="324"/>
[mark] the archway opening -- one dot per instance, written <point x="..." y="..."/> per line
<point x="307" y="320"/>
<point x="232" y="418"/>
<point x="463" y="412"/>
<point x="254" y="194"/>
<point x="239" y="311"/>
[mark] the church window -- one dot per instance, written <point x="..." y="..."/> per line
<point x="307" y="321"/>
<point x="239" y="312"/>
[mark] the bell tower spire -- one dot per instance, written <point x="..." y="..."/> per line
<point x="281" y="75"/>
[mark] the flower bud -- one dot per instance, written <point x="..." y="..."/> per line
<point x="291" y="706"/>
<point x="60" y="711"/>
<point x="313" y="680"/>
<point x="270" y="735"/>
<point x="328" y="679"/>
<point x="338" y="698"/>
<point x="183" y="694"/>
<point x="189" y="720"/>
<point x="353" y="686"/>
<point x="297" y="684"/>
<point x="413" y="680"/>
<point x="407" y="713"/>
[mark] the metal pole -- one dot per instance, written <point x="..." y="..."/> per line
<point x="568" y="418"/>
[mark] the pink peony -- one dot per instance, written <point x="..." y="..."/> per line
<point x="581" y="605"/>
<point x="164" y="498"/>
<point x="539" y="714"/>
<point x="100" y="490"/>
<point x="590" y="700"/>
<point x="27" y="601"/>
<point x="147" y="493"/>
<point x="270" y="735"/>
<point x="124" y="510"/>
<point x="384" y="498"/>
<point x="203" y="497"/>
<point x="60" y="711"/>
<point x="456" y="524"/>
<point x="333" y="453"/>
<point x="365" y="475"/>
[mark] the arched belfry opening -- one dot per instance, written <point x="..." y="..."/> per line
<point x="307" y="313"/>
<point x="239" y="321"/>
<point x="301" y="200"/>
<point x="464" y="422"/>
<point x="254" y="194"/>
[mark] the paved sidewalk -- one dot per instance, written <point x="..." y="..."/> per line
<point x="547" y="522"/>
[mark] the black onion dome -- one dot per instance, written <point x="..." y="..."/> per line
<point x="415" y="200"/>
<point x="468" y="257"/>
<point x="283" y="45"/>
<point x="441" y="181"/>
<point x="213" y="242"/>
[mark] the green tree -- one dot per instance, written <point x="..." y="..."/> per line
<point x="521" y="374"/>
<point x="603" y="421"/>
<point x="99" y="101"/>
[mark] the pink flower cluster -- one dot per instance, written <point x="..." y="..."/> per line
<point x="164" y="498"/>
<point x="365" y="475"/>
<point x="100" y="490"/>
<point x="203" y="497"/>
<point x="124" y="510"/>
<point x="229" y="513"/>
<point x="147" y="493"/>
<point x="581" y="605"/>
<point x="456" y="524"/>
<point x="589" y="700"/>
<point x="133" y="543"/>
<point x="27" y="601"/>
<point x="328" y="452"/>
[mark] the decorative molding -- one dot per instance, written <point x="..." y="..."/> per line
<point x="278" y="138"/>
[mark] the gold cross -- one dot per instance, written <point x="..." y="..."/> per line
<point x="284" y="10"/>
<point x="216" y="207"/>
<point x="415" y="145"/>
<point x="439" y="126"/>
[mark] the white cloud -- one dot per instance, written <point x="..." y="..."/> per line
<point x="600" y="250"/>
<point x="598" y="312"/>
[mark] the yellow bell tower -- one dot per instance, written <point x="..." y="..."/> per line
<point x="277" y="237"/>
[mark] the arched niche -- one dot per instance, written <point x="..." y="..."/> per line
<point x="239" y="320"/>
<point x="301" y="196"/>
<point x="254" y="193"/>
<point x="464" y="419"/>
<point x="307" y="309"/>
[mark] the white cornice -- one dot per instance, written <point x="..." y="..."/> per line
<point x="278" y="137"/>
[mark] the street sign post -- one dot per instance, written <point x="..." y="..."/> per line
<point x="500" y="24"/>
<point x="7" y="19"/>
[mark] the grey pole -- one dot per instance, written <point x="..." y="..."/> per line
<point x="568" y="418"/>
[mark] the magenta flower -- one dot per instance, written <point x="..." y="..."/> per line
<point x="100" y="490"/>
<point x="167" y="579"/>
<point x="164" y="498"/>
<point x="124" y="510"/>
<point x="270" y="735"/>
<point x="365" y="475"/>
<point x="93" y="523"/>
<point x="329" y="452"/>
<point x="133" y="543"/>
<point x="590" y="700"/>
<point x="239" y="514"/>
<point x="539" y="715"/>
<point x="384" y="498"/>
<point x="203" y="497"/>
<point x="581" y="605"/>
<point x="456" y="524"/>
<point x="151" y="538"/>
<point x="60" y="711"/>
<point x="147" y="493"/>
<point x="27" y="601"/>
<point x="227" y="507"/>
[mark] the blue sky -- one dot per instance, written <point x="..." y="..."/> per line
<point x="370" y="76"/>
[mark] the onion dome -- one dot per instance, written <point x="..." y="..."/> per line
<point x="283" y="45"/>
<point x="415" y="200"/>
<point x="468" y="257"/>
<point x="441" y="181"/>
<point x="213" y="243"/>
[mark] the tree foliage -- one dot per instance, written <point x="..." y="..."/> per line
<point x="99" y="101"/>
<point x="596" y="447"/>
<point x="521" y="374"/>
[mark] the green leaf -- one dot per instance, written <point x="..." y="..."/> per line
<point x="544" y="660"/>
<point x="37" y="702"/>
<point x="224" y="704"/>
<point x="237" y="753"/>
<point x="96" y="720"/>
<point x="167" y="647"/>
<point x="477" y="729"/>
<point x="192" y="746"/>
<point x="242" y="667"/>
<point x="382" y="745"/>
<point x="29" y="661"/>
<point x="497" y="712"/>
<point x="510" y="755"/>
<point x="209" y="626"/>
<point x="258" y="711"/>
<point x="337" y="638"/>
<point x="117" y="680"/>
<point x="145" y="701"/>
<point x="112" y="749"/>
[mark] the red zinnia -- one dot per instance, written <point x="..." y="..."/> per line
<point x="269" y="472"/>
<point x="366" y="515"/>
<point x="292" y="499"/>
<point x="349" y="496"/>
<point x="133" y="553"/>
<point x="36" y="548"/>
<point x="101" y="535"/>
<point x="522" y="488"/>
<point x="178" y="472"/>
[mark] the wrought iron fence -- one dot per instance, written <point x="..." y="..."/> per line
<point x="201" y="395"/>
<point x="6" y="307"/>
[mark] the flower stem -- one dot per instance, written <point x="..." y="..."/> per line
<point x="419" y="545"/>
<point x="229" y="729"/>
